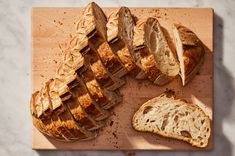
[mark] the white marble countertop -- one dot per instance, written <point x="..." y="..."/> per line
<point x="15" y="122"/>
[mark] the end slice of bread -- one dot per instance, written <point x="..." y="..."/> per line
<point x="190" y="51"/>
<point x="166" y="116"/>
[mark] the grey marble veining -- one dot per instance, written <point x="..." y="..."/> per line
<point x="15" y="75"/>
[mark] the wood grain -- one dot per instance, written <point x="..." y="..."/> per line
<point x="52" y="27"/>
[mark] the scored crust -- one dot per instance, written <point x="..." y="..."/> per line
<point x="93" y="24"/>
<point x="190" y="51"/>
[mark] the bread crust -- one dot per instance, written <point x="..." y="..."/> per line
<point x="191" y="52"/>
<point x="104" y="78"/>
<point x="110" y="60"/>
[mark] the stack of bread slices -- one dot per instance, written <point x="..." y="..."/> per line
<point x="76" y="102"/>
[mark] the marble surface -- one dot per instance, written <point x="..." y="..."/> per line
<point x="15" y="122"/>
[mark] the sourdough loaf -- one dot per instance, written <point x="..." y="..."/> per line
<point x="77" y="101"/>
<point x="190" y="51"/>
<point x="166" y="116"/>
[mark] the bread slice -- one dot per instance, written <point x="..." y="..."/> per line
<point x="103" y="77"/>
<point x="84" y="98"/>
<point x="160" y="47"/>
<point x="120" y="30"/>
<point x="53" y="127"/>
<point x="77" y="131"/>
<point x="190" y="51"/>
<point x="103" y="97"/>
<point x="110" y="61"/>
<point x="73" y="106"/>
<point x="93" y="24"/>
<point x="45" y="124"/>
<point x="36" y="110"/>
<point x="80" y="116"/>
<point x="79" y="45"/>
<point x="146" y="44"/>
<point x="166" y="116"/>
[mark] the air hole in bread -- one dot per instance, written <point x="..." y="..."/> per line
<point x="181" y="114"/>
<point x="202" y="121"/>
<point x="176" y="118"/>
<point x="147" y="120"/>
<point x="185" y="134"/>
<point x="201" y="143"/>
<point x="193" y="119"/>
<point x="186" y="113"/>
<point x="200" y="138"/>
<point x="165" y="122"/>
<point x="167" y="53"/>
<point x="153" y="41"/>
<point x="147" y="109"/>
<point x="152" y="120"/>
<point x="207" y="129"/>
<point x="172" y="64"/>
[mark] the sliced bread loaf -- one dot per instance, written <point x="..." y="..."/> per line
<point x="104" y="78"/>
<point x="93" y="25"/>
<point x="173" y="118"/>
<point x="52" y="126"/>
<point x="103" y="97"/>
<point x="81" y="44"/>
<point x="190" y="51"/>
<point x="63" y="119"/>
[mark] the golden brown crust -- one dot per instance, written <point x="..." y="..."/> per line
<point x="80" y="115"/>
<point x="110" y="60"/>
<point x="93" y="24"/>
<point x="45" y="124"/>
<point x="77" y="132"/>
<point x="85" y="100"/>
<point x="104" y="78"/>
<point x="95" y="90"/>
<point x="192" y="52"/>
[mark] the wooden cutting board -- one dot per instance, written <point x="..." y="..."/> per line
<point x="51" y="29"/>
